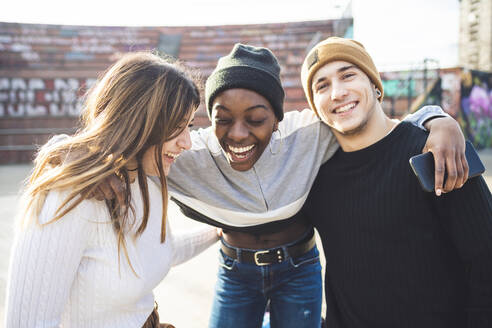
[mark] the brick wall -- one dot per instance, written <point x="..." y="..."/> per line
<point x="44" y="69"/>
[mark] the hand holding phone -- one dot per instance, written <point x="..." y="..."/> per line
<point x="423" y="166"/>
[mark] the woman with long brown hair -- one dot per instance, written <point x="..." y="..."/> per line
<point x="78" y="262"/>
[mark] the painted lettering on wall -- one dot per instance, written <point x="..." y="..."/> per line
<point x="37" y="97"/>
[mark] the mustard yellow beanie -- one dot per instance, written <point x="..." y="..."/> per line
<point x="333" y="49"/>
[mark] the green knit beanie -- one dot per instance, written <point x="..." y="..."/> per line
<point x="247" y="67"/>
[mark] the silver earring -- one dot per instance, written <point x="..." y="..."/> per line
<point x="378" y="93"/>
<point x="272" y="140"/>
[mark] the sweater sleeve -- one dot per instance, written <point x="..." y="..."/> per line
<point x="424" y="114"/>
<point x="187" y="244"/>
<point x="43" y="264"/>
<point x="466" y="214"/>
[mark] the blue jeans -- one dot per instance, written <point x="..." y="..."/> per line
<point x="293" y="287"/>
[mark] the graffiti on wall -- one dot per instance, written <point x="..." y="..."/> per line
<point x="37" y="97"/>
<point x="476" y="107"/>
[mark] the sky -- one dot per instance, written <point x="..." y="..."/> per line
<point x="398" y="34"/>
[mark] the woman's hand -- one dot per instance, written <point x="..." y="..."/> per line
<point x="112" y="187"/>
<point x="447" y="144"/>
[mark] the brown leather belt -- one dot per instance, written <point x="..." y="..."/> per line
<point x="272" y="255"/>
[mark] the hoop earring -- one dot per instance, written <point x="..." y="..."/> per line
<point x="272" y="140"/>
<point x="378" y="93"/>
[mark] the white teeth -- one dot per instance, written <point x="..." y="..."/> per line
<point x="240" y="149"/>
<point x="172" y="155"/>
<point x="345" y="108"/>
<point x="241" y="156"/>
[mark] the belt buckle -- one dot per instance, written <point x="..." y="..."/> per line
<point x="256" y="258"/>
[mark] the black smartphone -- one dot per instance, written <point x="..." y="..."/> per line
<point x="423" y="166"/>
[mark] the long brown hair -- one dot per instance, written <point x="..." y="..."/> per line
<point x="141" y="101"/>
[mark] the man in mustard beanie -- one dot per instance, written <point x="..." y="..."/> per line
<point x="336" y="48"/>
<point x="396" y="256"/>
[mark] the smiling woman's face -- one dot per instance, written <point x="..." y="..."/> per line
<point x="243" y="122"/>
<point x="171" y="149"/>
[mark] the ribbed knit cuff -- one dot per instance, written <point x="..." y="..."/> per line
<point x="425" y="114"/>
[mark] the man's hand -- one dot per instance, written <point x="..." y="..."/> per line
<point x="447" y="144"/>
<point x="112" y="187"/>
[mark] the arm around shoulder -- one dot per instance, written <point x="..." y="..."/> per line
<point x="446" y="142"/>
<point x="424" y="114"/>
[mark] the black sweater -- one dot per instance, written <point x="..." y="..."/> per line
<point x="397" y="256"/>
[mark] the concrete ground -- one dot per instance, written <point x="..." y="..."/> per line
<point x="185" y="295"/>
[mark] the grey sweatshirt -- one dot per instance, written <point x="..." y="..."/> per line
<point x="268" y="196"/>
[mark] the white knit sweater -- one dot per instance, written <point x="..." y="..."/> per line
<point x="67" y="273"/>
